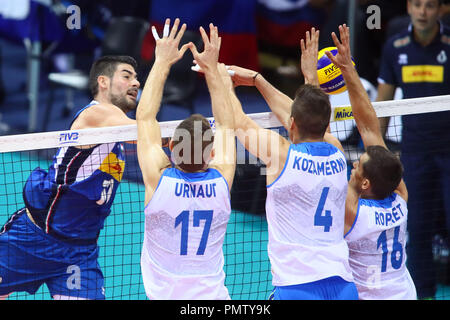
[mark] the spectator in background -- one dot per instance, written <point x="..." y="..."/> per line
<point x="417" y="61"/>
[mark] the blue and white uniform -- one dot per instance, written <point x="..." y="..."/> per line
<point x="305" y="210"/>
<point x="68" y="205"/>
<point x="377" y="250"/>
<point x="185" y="225"/>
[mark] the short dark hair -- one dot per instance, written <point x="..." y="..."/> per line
<point x="198" y="129"/>
<point x="383" y="169"/>
<point x="106" y="66"/>
<point x="311" y="111"/>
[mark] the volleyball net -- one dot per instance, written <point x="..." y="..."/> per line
<point x="247" y="266"/>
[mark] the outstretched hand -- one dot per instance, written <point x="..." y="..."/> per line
<point x="308" y="61"/>
<point x="209" y="58"/>
<point x="343" y="59"/>
<point x="167" y="47"/>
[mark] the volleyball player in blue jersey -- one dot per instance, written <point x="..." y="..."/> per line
<point x="187" y="205"/>
<point x="53" y="239"/>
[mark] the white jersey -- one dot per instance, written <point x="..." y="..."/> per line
<point x="185" y="225"/>
<point x="377" y="249"/>
<point x="305" y="210"/>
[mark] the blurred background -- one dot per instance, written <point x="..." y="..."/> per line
<point x="48" y="46"/>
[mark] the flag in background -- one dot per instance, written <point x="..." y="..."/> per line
<point x="285" y="22"/>
<point x="235" y="20"/>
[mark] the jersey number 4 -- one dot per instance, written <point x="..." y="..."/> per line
<point x="183" y="219"/>
<point x="323" y="217"/>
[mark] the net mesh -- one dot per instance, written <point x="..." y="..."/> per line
<point x="247" y="265"/>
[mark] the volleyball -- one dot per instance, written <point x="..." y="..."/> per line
<point x="330" y="77"/>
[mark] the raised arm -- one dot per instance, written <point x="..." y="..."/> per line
<point x="224" y="139"/>
<point x="362" y="108"/>
<point x="267" y="145"/>
<point x="278" y="102"/>
<point x="363" y="111"/>
<point x="151" y="157"/>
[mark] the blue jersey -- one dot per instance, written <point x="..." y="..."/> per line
<point x="419" y="72"/>
<point x="73" y="198"/>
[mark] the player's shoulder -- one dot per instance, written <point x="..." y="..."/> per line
<point x="98" y="115"/>
<point x="386" y="203"/>
<point x="208" y="174"/>
<point x="320" y="149"/>
<point x="102" y="107"/>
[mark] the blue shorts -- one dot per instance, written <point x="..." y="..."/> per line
<point x="29" y="258"/>
<point x="333" y="288"/>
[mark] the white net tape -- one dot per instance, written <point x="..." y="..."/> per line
<point x="55" y="139"/>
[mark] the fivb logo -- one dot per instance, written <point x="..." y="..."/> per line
<point x="68" y="137"/>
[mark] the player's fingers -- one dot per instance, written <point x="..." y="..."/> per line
<point x="302" y="45"/>
<point x="313" y="34"/>
<point x="174" y="29"/>
<point x="166" y="28"/>
<point x="336" y="41"/>
<point x="219" y="39"/>
<point x="184" y="48"/>
<point x="343" y="35"/>
<point x="213" y="34"/>
<point x="193" y="49"/>
<point x="316" y="37"/>
<point x="181" y="32"/>
<point x="196" y="68"/>
<point x="155" y="33"/>
<point x="230" y="72"/>
<point x="331" y="57"/>
<point x="204" y="36"/>
<point x="347" y="33"/>
<point x="316" y="40"/>
<point x="307" y="39"/>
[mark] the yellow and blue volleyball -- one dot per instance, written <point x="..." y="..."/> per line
<point x="330" y="77"/>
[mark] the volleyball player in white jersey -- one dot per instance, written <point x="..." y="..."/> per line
<point x="306" y="186"/>
<point x="376" y="209"/>
<point x="187" y="206"/>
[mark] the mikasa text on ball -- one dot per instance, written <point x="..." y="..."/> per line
<point x="330" y="77"/>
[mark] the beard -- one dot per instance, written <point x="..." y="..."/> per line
<point x="123" y="102"/>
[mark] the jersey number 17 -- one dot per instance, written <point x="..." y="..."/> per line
<point x="183" y="219"/>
